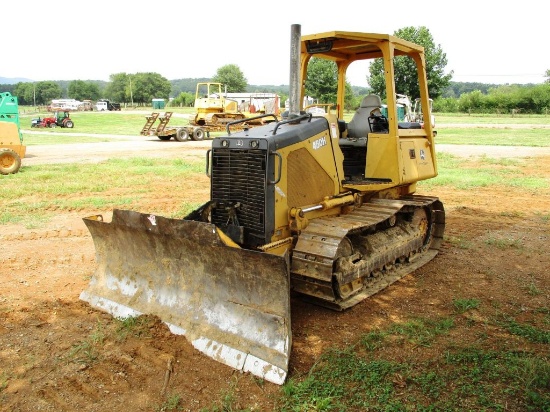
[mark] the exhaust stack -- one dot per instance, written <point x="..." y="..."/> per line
<point x="294" y="82"/>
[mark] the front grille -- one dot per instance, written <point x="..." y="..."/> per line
<point x="239" y="176"/>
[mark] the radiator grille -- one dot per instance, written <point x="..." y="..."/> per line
<point x="239" y="176"/>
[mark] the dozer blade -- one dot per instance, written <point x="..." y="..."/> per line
<point x="232" y="304"/>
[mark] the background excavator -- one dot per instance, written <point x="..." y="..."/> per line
<point x="309" y="206"/>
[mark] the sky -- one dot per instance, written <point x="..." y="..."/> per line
<point x="488" y="42"/>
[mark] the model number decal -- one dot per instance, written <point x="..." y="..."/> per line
<point x="317" y="144"/>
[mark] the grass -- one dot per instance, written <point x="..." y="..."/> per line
<point x="461" y="118"/>
<point x="504" y="243"/>
<point x="137" y="326"/>
<point x="172" y="403"/>
<point x="89" y="350"/>
<point x="381" y="373"/>
<point x="38" y="193"/>
<point x="494" y="136"/>
<point x="106" y="123"/>
<point x="464" y="305"/>
<point x="469" y="174"/>
<point x="101" y="124"/>
<point x="459" y="242"/>
<point x="130" y="123"/>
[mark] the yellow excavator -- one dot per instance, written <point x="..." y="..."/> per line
<point x="309" y="206"/>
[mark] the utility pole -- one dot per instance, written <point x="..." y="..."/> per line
<point x="131" y="95"/>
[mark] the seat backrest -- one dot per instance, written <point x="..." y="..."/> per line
<point x="359" y="124"/>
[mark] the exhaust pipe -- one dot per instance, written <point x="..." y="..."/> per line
<point x="294" y="82"/>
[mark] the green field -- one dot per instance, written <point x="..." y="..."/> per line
<point x="450" y="132"/>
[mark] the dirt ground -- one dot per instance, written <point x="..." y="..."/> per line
<point x="59" y="354"/>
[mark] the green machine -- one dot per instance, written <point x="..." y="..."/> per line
<point x="12" y="149"/>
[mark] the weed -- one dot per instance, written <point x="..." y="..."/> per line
<point x="133" y="325"/>
<point x="84" y="352"/>
<point x="511" y="213"/>
<point x="4" y="379"/>
<point x="98" y="335"/>
<point x="504" y="243"/>
<point x="531" y="333"/>
<point x="463" y="305"/>
<point x="532" y="289"/>
<point x="423" y="331"/>
<point x="545" y="217"/>
<point x="373" y="340"/>
<point x="173" y="403"/>
<point x="459" y="242"/>
<point x="228" y="400"/>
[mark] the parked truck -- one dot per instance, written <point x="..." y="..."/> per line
<point x="12" y="149"/>
<point x="104" y="104"/>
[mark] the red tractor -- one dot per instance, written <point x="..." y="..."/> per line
<point x="60" y="118"/>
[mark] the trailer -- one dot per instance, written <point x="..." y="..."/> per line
<point x="199" y="132"/>
<point x="179" y="133"/>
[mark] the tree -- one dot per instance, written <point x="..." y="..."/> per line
<point x="547" y="75"/>
<point x="405" y="68"/>
<point x="148" y="86"/>
<point x="186" y="85"/>
<point x="137" y="88"/>
<point x="184" y="99"/>
<point x="116" y="89"/>
<point x="40" y="92"/>
<point x="81" y="90"/>
<point x="232" y="77"/>
<point x="322" y="82"/>
<point x="25" y="92"/>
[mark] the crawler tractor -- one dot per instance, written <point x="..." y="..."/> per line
<point x="212" y="107"/>
<point x="311" y="205"/>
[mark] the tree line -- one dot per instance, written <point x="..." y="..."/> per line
<point x="511" y="99"/>
<point x="456" y="98"/>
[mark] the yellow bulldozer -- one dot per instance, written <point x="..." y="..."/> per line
<point x="311" y="206"/>
<point x="213" y="108"/>
<point x="12" y="149"/>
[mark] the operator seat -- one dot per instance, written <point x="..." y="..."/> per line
<point x="359" y="125"/>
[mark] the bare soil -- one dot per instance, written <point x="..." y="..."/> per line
<point x="59" y="354"/>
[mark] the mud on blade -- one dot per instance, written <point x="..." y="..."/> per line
<point x="232" y="304"/>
